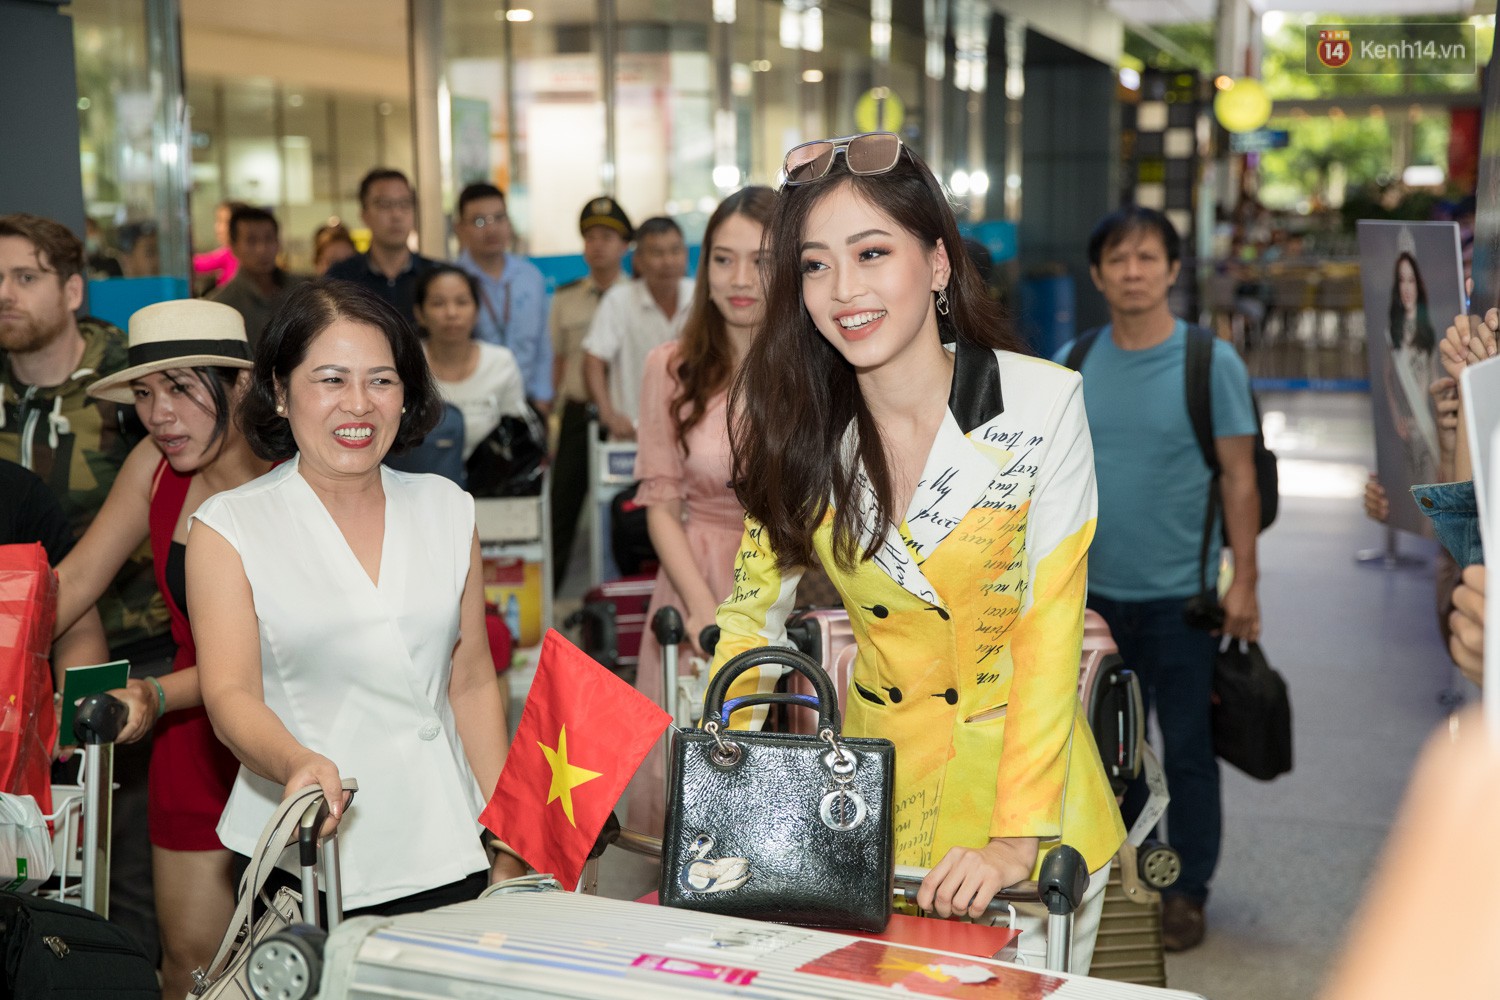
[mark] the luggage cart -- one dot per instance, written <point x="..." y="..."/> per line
<point x="611" y="469"/>
<point x="515" y="544"/>
<point x="528" y="938"/>
<point x="1128" y="945"/>
<point x="81" y="812"/>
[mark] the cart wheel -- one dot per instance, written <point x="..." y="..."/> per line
<point x="1160" y="865"/>
<point x="288" y="964"/>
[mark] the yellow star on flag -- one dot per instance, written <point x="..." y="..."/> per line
<point x="566" y="776"/>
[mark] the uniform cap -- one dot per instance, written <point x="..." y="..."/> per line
<point x="605" y="211"/>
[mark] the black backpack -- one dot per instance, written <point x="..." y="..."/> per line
<point x="1197" y="390"/>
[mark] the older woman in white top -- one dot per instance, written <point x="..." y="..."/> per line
<point x="483" y="380"/>
<point x="338" y="612"/>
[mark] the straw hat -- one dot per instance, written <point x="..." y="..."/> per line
<point x="184" y="333"/>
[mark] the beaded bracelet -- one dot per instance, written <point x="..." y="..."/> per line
<point x="161" y="697"/>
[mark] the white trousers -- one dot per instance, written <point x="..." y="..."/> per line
<point x="1031" y="921"/>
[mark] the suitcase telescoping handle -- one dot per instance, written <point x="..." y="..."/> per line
<point x="716" y="709"/>
<point x="667" y="626"/>
<point x="307" y="858"/>
<point x="1063" y="881"/>
<point x="298" y="818"/>
<point x="97" y="724"/>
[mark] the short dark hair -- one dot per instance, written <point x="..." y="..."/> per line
<point x="476" y="191"/>
<point x="431" y="274"/>
<point x="657" y="225"/>
<point x="1130" y="221"/>
<point x="376" y="176"/>
<point x="56" y="246"/>
<point x="305" y="313"/>
<point x="250" y="213"/>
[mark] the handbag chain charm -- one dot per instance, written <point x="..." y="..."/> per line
<point x="842" y="807"/>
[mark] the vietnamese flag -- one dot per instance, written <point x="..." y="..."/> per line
<point x="582" y="735"/>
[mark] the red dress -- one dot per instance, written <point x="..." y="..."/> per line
<point x="191" y="771"/>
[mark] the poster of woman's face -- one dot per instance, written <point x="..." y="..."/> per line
<point x="1412" y="275"/>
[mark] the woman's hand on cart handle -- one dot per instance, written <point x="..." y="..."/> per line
<point x="967" y="878"/>
<point x="142" y="702"/>
<point x="314" y="769"/>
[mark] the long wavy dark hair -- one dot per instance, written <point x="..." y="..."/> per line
<point x="1425" y="337"/>
<point x="705" y="359"/>
<point x="795" y="395"/>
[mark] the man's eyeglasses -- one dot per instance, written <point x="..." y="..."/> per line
<point x="864" y="154"/>
<point x="494" y="219"/>
<point x="393" y="204"/>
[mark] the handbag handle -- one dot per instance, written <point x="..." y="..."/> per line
<point x="278" y="833"/>
<point x="718" y="687"/>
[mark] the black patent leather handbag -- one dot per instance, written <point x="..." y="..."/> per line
<point x="779" y="826"/>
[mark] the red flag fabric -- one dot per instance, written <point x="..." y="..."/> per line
<point x="28" y="725"/>
<point x="582" y="735"/>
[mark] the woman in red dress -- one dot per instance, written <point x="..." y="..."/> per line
<point x="187" y="373"/>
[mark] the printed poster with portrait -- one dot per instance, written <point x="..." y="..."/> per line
<point x="1412" y="274"/>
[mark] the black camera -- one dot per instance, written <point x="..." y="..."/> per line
<point x="1202" y="611"/>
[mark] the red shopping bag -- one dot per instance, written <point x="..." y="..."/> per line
<point x="28" y="725"/>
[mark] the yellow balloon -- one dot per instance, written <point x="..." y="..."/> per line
<point x="1244" y="106"/>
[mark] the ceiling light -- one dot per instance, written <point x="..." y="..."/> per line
<point x="519" y="14"/>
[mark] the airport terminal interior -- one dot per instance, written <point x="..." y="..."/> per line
<point x="1295" y="173"/>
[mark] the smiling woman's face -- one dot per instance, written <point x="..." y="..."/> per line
<point x="344" y="400"/>
<point x="867" y="282"/>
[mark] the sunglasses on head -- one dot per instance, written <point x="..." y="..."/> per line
<point x="866" y="153"/>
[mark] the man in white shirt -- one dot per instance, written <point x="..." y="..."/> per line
<point x="633" y="318"/>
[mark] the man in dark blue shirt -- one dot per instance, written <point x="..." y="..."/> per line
<point x="388" y="205"/>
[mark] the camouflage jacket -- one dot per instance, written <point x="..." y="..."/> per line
<point x="77" y="444"/>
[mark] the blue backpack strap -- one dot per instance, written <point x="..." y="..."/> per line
<point x="1081" y="348"/>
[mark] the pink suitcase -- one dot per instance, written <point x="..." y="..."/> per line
<point x="1110" y="692"/>
<point x="825" y="635"/>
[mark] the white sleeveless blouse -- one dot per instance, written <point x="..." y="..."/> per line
<point x="359" y="672"/>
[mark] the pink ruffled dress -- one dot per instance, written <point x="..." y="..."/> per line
<point x="713" y="520"/>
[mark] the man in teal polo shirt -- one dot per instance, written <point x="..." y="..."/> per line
<point x="1153" y="497"/>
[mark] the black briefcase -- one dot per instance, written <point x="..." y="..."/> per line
<point x="1252" y="712"/>
<point x="65" y="952"/>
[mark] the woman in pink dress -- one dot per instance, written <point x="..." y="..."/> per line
<point x="683" y="456"/>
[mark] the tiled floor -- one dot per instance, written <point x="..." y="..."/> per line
<point x="1358" y="646"/>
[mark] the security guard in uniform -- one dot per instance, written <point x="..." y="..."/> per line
<point x="607" y="235"/>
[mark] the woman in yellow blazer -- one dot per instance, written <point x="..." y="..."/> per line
<point x="887" y="422"/>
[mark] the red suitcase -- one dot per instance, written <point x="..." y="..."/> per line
<point x="612" y="620"/>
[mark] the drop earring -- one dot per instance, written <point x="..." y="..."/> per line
<point x="942" y="302"/>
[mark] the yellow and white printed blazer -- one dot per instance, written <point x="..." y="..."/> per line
<point x="969" y="622"/>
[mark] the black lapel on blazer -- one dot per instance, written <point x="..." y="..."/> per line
<point x="975" y="396"/>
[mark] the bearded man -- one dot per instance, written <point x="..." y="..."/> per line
<point x="48" y="359"/>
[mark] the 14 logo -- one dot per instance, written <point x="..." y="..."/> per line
<point x="1334" y="48"/>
